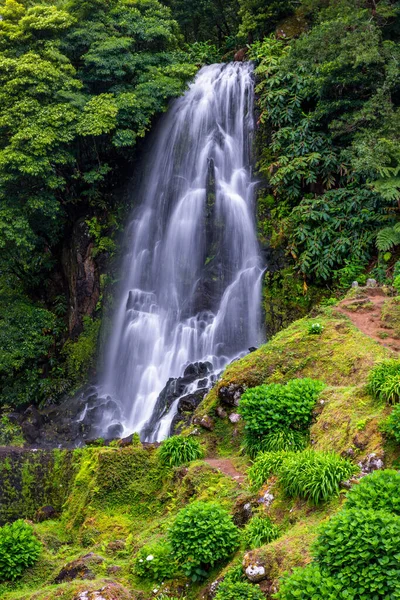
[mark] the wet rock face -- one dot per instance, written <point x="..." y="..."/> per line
<point x="74" y="421"/>
<point x="199" y="372"/>
<point x="190" y="402"/>
<point x="82" y="275"/>
<point x="79" y="569"/>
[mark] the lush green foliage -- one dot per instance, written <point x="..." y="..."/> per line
<point x="315" y="476"/>
<point x="259" y="17"/>
<point x="178" y="450"/>
<point x="356" y="557"/>
<point x="202" y="20"/>
<point x="384" y="381"/>
<point x="310" y="584"/>
<point x="79" y="84"/>
<point x="275" y="441"/>
<point x="10" y="433"/>
<point x="266" y="408"/>
<point x="228" y="590"/>
<point x="203" y="533"/>
<point x="155" y="562"/>
<point x="360" y="548"/>
<point x="27" y="334"/>
<point x="265" y="465"/>
<point x="80" y="355"/>
<point x="19" y="549"/>
<point x="259" y="531"/>
<point x="378" y="491"/>
<point x="392" y="424"/>
<point x="329" y="108"/>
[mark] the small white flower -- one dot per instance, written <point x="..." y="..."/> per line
<point x="150" y="557"/>
<point x="155" y="591"/>
<point x="140" y="559"/>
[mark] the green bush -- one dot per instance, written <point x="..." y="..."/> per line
<point x="228" y="590"/>
<point x="178" y="450"/>
<point x="360" y="548"/>
<point x="265" y="465"/>
<point x="266" y="408"/>
<point x="356" y="558"/>
<point x="203" y="533"/>
<point x="384" y="381"/>
<point x="259" y="531"/>
<point x="275" y="441"/>
<point x="378" y="491"/>
<point x="392" y="424"/>
<point x="19" y="549"/>
<point x="315" y="476"/>
<point x="155" y="562"/>
<point x="309" y="584"/>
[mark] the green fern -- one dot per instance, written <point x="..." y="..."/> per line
<point x="388" y="237"/>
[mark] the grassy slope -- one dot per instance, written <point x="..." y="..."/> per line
<point x="123" y="494"/>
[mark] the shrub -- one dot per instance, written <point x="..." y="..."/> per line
<point x="308" y="584"/>
<point x="265" y="465"/>
<point x="315" y="329"/>
<point x="202" y="534"/>
<point x="19" y="549"/>
<point x="384" y="381"/>
<point x="378" y="491"/>
<point x="275" y="441"/>
<point x="260" y="531"/>
<point x="360" y="548"/>
<point x="178" y="450"/>
<point x="228" y="590"/>
<point x="392" y="424"/>
<point x="266" y="408"/>
<point x="155" y="562"/>
<point x="315" y="476"/>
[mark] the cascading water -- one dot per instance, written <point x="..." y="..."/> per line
<point x="192" y="275"/>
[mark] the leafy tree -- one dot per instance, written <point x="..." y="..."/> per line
<point x="79" y="84"/>
<point x="329" y="106"/>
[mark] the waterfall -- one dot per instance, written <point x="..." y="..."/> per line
<point x="191" y="278"/>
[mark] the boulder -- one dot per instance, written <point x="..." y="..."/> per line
<point x="190" y="402"/>
<point x="371" y="463"/>
<point x="110" y="591"/>
<point x="79" y="568"/>
<point x="116" y="546"/>
<point x="230" y="394"/>
<point x="45" y="513"/>
<point x="221" y="413"/>
<point x="206" y="422"/>
<point x="235" y="418"/>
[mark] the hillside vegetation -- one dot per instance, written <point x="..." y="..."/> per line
<point x="284" y="483"/>
<point x="118" y="505"/>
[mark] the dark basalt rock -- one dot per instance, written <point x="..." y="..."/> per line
<point x="174" y="389"/>
<point x="114" y="431"/>
<point x="79" y="569"/>
<point x="45" y="513"/>
<point x="190" y="402"/>
<point x="231" y="394"/>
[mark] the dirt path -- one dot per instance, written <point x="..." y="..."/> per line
<point x="226" y="467"/>
<point x="366" y="314"/>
